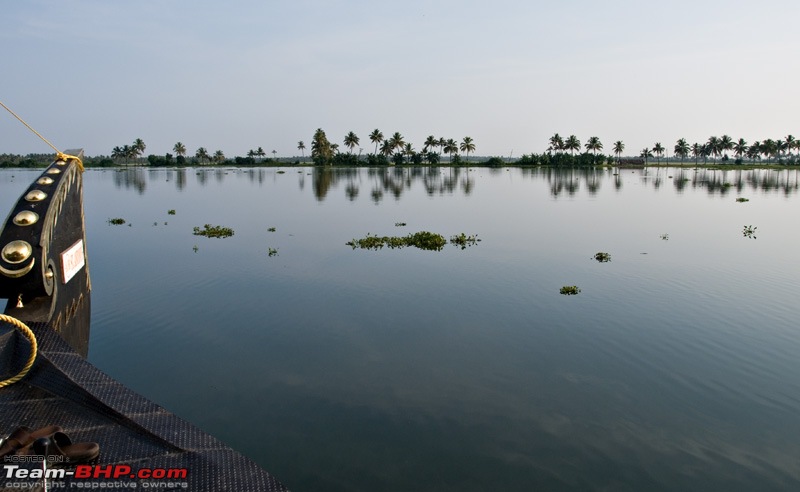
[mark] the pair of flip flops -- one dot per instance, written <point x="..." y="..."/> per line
<point x="48" y="441"/>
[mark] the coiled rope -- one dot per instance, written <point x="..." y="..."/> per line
<point x="59" y="154"/>
<point x="34" y="348"/>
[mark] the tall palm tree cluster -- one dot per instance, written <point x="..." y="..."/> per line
<point x="721" y="147"/>
<point x="394" y="147"/>
<point x="129" y="152"/>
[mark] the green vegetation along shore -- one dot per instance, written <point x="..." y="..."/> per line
<point x="396" y="150"/>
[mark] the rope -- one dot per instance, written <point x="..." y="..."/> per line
<point x="59" y="154"/>
<point x="34" y="348"/>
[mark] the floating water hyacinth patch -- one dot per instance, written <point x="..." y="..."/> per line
<point x="602" y="257"/>
<point x="116" y="221"/>
<point x="213" y="231"/>
<point x="271" y="229"/>
<point x="423" y="240"/>
<point x="749" y="231"/>
<point x="400" y="224"/>
<point x="463" y="240"/>
<point x="742" y="199"/>
<point x="171" y="211"/>
<point x="570" y="290"/>
<point x="272" y="252"/>
<point x="664" y="237"/>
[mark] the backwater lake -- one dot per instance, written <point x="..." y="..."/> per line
<point x="676" y="368"/>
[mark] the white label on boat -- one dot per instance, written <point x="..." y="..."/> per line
<point x="72" y="260"/>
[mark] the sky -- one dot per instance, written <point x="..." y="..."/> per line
<point x="236" y="75"/>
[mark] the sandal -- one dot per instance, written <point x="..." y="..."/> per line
<point x="19" y="441"/>
<point x="59" y="444"/>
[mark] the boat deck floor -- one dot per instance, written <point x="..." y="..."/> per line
<point x="64" y="389"/>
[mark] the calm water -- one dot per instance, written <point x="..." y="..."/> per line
<point x="676" y="367"/>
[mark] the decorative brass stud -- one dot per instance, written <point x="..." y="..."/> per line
<point x="44" y="180"/>
<point x="53" y="170"/>
<point x="35" y="196"/>
<point x="17" y="252"/>
<point x="26" y="218"/>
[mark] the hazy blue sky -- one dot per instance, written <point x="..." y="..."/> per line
<point x="235" y="75"/>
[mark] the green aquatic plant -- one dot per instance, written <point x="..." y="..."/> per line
<point x="664" y="237"/>
<point x="400" y="224"/>
<point x="602" y="257"/>
<point x="271" y="229"/>
<point x="570" y="290"/>
<point x="195" y="248"/>
<point x="749" y="231"/>
<point x="742" y="199"/>
<point x="463" y="240"/>
<point x="171" y="211"/>
<point x="428" y="241"/>
<point x="116" y="221"/>
<point x="213" y="231"/>
<point x="272" y="252"/>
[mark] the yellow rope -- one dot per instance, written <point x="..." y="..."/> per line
<point x="34" y="349"/>
<point x="59" y="154"/>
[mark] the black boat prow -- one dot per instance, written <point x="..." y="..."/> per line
<point x="44" y="275"/>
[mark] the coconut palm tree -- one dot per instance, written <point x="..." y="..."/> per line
<point x="386" y="148"/>
<point x="179" y="149"/>
<point x="219" y="156"/>
<point x="714" y="146"/>
<point x="376" y="137"/>
<point x="397" y="142"/>
<point x="681" y="149"/>
<point x="658" y="150"/>
<point x="769" y="148"/>
<point x="697" y="151"/>
<point x="618" y="148"/>
<point x="726" y="143"/>
<point x="754" y="151"/>
<point x="467" y="146"/>
<point x="274" y="154"/>
<point x="594" y="145"/>
<point x="138" y="147"/>
<point x="450" y="147"/>
<point x="556" y="143"/>
<point x="260" y="152"/>
<point x="351" y="141"/>
<point x="321" y="148"/>
<point x="740" y="148"/>
<point x="301" y="147"/>
<point x="645" y="153"/>
<point x="572" y="144"/>
<point x="201" y="154"/>
<point x="430" y="142"/>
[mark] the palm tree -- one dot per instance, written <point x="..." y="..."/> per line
<point x="301" y="147"/>
<point x="351" y="141"/>
<point x="321" y="148"/>
<point x="645" y="153"/>
<point x="396" y="141"/>
<point x="740" y="148"/>
<point x="658" y="150"/>
<point x="572" y="144"/>
<point x="219" y="156"/>
<point x="769" y="148"/>
<point x="726" y="143"/>
<point x="450" y="147"/>
<point x="430" y="142"/>
<point x="386" y="148"/>
<point x="467" y="146"/>
<point x="697" y="151"/>
<point x="260" y="152"/>
<point x="274" y="154"/>
<point x="594" y="145"/>
<point x="681" y="149"/>
<point x="376" y="137"/>
<point x="201" y="154"/>
<point x="754" y="152"/>
<point x="618" y="148"/>
<point x="138" y="147"/>
<point x="714" y="146"/>
<point x="179" y="149"/>
<point x="556" y="143"/>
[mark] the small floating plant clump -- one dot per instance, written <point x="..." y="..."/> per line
<point x="271" y="229"/>
<point x="742" y="199"/>
<point x="272" y="252"/>
<point x="749" y="231"/>
<point x="429" y="241"/>
<point x="400" y="224"/>
<point x="213" y="231"/>
<point x="664" y="237"/>
<point x="116" y="221"/>
<point x="602" y="257"/>
<point x="463" y="240"/>
<point x="171" y="211"/>
<point x="570" y="290"/>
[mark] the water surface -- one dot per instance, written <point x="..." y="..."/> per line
<point x="675" y="368"/>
